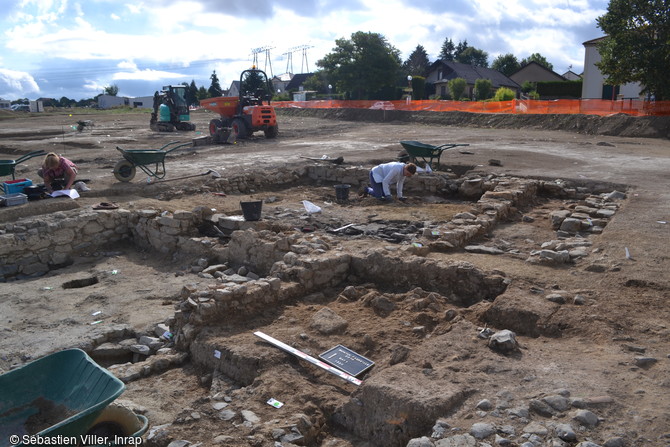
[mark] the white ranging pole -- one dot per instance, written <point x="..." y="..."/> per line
<point x="310" y="359"/>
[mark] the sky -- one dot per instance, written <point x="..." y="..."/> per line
<point x="76" y="48"/>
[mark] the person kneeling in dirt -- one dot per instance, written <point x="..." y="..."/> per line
<point x="383" y="175"/>
<point x="58" y="172"/>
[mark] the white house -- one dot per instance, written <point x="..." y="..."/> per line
<point x="109" y="101"/>
<point x="5" y="105"/>
<point x="594" y="86"/>
<point x="141" y="102"/>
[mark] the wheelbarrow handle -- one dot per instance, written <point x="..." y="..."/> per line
<point x="30" y="155"/>
<point x="176" y="147"/>
<point x="170" y="144"/>
<point x="450" y="145"/>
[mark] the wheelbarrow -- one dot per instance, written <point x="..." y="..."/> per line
<point x="150" y="161"/>
<point x="427" y="152"/>
<point x="7" y="166"/>
<point x="62" y="394"/>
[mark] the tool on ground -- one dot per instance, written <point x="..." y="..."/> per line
<point x="337" y="161"/>
<point x="240" y="116"/>
<point x="337" y="230"/>
<point x="310" y="359"/>
<point x="171" y="110"/>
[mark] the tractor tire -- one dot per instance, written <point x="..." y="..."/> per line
<point x="214" y="126"/>
<point x="272" y="132"/>
<point x="124" y="171"/>
<point x="239" y="129"/>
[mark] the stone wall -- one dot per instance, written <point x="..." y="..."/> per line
<point x="33" y="246"/>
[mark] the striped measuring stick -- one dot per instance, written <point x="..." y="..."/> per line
<point x="310" y="359"/>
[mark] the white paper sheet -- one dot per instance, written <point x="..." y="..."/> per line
<point x="71" y="193"/>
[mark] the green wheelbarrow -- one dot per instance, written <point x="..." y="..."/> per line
<point x="417" y="151"/>
<point x="60" y="396"/>
<point x="150" y="161"/>
<point x="7" y="167"/>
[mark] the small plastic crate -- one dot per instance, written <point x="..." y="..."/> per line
<point x="16" y="186"/>
<point x="14" y="199"/>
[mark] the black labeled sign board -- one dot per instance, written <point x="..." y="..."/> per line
<point x="347" y="360"/>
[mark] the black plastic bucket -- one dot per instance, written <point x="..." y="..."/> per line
<point x="252" y="210"/>
<point x="342" y="192"/>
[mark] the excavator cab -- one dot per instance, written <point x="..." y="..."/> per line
<point x="171" y="110"/>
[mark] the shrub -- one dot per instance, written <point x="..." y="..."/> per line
<point x="456" y="88"/>
<point x="483" y="89"/>
<point x="504" y="94"/>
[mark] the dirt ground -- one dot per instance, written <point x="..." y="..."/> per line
<point x="625" y="315"/>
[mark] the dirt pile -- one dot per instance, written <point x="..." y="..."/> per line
<point x="617" y="124"/>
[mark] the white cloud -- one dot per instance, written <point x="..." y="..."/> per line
<point x="16" y="84"/>
<point x="148" y="75"/>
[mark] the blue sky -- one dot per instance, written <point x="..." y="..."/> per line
<point x="75" y="48"/>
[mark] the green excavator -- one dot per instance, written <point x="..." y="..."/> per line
<point x="171" y="110"/>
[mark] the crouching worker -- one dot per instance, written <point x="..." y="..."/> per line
<point x="58" y="172"/>
<point x="384" y="175"/>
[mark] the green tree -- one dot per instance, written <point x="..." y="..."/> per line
<point x="537" y="57"/>
<point x="460" y="47"/>
<point x="506" y="64"/>
<point x="66" y="102"/>
<point x="362" y="65"/>
<point x="318" y="82"/>
<point x="417" y="63"/>
<point x="418" y="87"/>
<point x="483" y="89"/>
<point x="255" y="84"/>
<point x="203" y="93"/>
<point x="528" y="86"/>
<point x="447" y="51"/>
<point x="637" y="47"/>
<point x="111" y="90"/>
<point x="191" y="93"/>
<point x="473" y="56"/>
<point x="215" y="88"/>
<point x="456" y="88"/>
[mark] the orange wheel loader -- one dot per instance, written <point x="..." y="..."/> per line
<point x="240" y="116"/>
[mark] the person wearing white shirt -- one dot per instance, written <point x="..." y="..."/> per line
<point x="384" y="175"/>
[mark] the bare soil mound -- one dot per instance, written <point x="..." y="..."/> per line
<point x="617" y="124"/>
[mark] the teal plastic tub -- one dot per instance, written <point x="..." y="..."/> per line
<point x="59" y="395"/>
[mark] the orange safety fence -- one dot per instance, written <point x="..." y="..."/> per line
<point x="602" y="107"/>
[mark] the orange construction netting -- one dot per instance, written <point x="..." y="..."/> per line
<point x="602" y="107"/>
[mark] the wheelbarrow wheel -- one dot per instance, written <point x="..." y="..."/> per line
<point x="124" y="171"/>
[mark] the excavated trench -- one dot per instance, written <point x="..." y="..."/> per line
<point x="313" y="289"/>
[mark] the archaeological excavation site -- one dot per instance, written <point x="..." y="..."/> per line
<point x="252" y="296"/>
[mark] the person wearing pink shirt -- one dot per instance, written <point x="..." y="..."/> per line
<point x="55" y="168"/>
